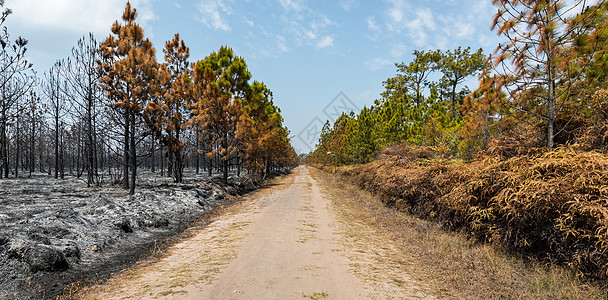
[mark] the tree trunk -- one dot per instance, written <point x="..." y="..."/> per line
<point x="90" y="144"/>
<point x="453" y="102"/>
<point x="196" y="154"/>
<point x="4" y="145"/>
<point x="56" y="141"/>
<point x="179" y="168"/>
<point x="133" y="156"/>
<point x="126" y="160"/>
<point x="17" y="150"/>
<point x="32" y="154"/>
<point x="225" y="158"/>
<point x="238" y="166"/>
<point x="178" y="160"/>
<point x="61" y="157"/>
<point x="551" y="96"/>
<point x="162" y="162"/>
<point x="210" y="157"/>
<point x="152" y="167"/>
<point x="551" y="116"/>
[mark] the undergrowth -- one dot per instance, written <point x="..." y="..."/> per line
<point x="551" y="205"/>
<point x="433" y="256"/>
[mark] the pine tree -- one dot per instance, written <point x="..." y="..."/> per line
<point x="83" y="78"/>
<point x="257" y="124"/>
<point x="34" y="115"/>
<point x="224" y="83"/>
<point x="16" y="80"/>
<point x="456" y="66"/>
<point x="168" y="116"/>
<point x="53" y="89"/>
<point x="528" y="64"/>
<point x="130" y="71"/>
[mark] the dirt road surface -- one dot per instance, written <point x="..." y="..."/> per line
<point x="284" y="242"/>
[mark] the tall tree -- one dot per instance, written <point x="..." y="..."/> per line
<point x="527" y="66"/>
<point x="224" y="82"/>
<point x="52" y="88"/>
<point x="168" y="116"/>
<point x="130" y="71"/>
<point x="16" y="80"/>
<point x="83" y="77"/>
<point x="456" y="66"/>
<point x="257" y="127"/>
<point x="198" y="108"/>
<point x="34" y="114"/>
<point x="413" y="77"/>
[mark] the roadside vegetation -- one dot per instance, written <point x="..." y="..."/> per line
<point x="520" y="162"/>
<point x="449" y="264"/>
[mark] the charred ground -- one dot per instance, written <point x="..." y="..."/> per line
<point x="56" y="232"/>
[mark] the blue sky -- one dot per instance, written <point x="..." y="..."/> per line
<point x="318" y="57"/>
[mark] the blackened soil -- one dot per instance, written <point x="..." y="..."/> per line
<point x="57" y="232"/>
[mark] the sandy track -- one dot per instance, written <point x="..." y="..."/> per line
<point x="282" y="244"/>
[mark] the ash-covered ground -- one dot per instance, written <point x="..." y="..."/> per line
<point x="54" y="232"/>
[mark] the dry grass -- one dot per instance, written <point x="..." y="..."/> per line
<point x="553" y="206"/>
<point x="453" y="265"/>
<point x="316" y="295"/>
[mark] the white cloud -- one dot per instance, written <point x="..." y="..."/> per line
<point x="326" y="41"/>
<point x="320" y="22"/>
<point x="416" y="31"/>
<point x="371" y="24"/>
<point x="398" y="50"/>
<point x="75" y="16"/>
<point x="309" y="34"/>
<point x="396" y="14"/>
<point x="249" y="22"/>
<point x="376" y="64"/>
<point x="303" y="26"/>
<point x="281" y="44"/>
<point x="427" y="26"/>
<point x="464" y="30"/>
<point x="289" y="5"/>
<point x="425" y="15"/>
<point x="213" y="12"/>
<point x="374" y="29"/>
<point x="274" y="42"/>
<point x="348" y="5"/>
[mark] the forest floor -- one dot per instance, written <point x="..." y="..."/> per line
<point x="58" y="232"/>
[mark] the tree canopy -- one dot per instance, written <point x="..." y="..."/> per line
<point x="543" y="87"/>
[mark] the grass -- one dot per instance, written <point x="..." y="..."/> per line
<point x="451" y="264"/>
<point x="70" y="291"/>
<point x="307" y="208"/>
<point x="305" y="237"/>
<point x="172" y="292"/>
<point x="316" y="295"/>
<point x="313" y="267"/>
<point x="311" y="225"/>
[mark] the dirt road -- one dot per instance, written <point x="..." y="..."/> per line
<point x="283" y="243"/>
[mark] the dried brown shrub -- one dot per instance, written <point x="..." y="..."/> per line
<point x="552" y="205"/>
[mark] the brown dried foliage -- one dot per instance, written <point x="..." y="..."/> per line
<point x="551" y="205"/>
